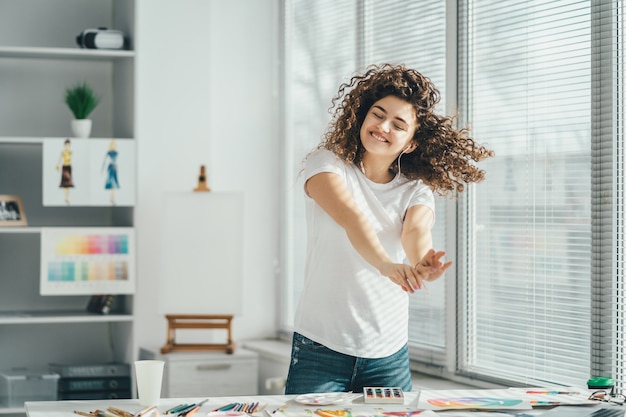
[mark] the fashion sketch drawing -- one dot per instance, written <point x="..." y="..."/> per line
<point x="110" y="164"/>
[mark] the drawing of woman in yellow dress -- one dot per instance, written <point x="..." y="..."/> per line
<point x="65" y="166"/>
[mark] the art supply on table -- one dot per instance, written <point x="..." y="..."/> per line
<point x="146" y="411"/>
<point x="260" y="408"/>
<point x="192" y="409"/>
<point x="190" y="412"/>
<point x="601" y="383"/>
<point x="114" y="412"/>
<point x="281" y="408"/>
<point x="119" y="412"/>
<point x="177" y="409"/>
<point x="383" y="395"/>
<point x="226" y="407"/>
<point x="553" y="392"/>
<point x="233" y="409"/>
<point x="82" y="413"/>
<point x="184" y="409"/>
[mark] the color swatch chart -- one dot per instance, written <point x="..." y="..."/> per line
<point x="92" y="244"/>
<point x="87" y="271"/>
<point x="87" y="261"/>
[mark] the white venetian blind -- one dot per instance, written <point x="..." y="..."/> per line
<point x="539" y="80"/>
<point x="320" y="39"/>
<point x="610" y="356"/>
<point x="326" y="42"/>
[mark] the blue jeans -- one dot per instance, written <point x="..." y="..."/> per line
<point x="315" y="368"/>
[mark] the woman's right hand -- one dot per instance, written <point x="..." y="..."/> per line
<point x="430" y="267"/>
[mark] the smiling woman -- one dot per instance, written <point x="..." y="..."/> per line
<point x="322" y="51"/>
<point x="370" y="205"/>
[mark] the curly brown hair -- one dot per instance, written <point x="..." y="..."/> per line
<point x="444" y="154"/>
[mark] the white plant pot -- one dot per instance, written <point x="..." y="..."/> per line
<point x="81" y="128"/>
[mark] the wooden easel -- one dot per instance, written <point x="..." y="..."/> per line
<point x="198" y="321"/>
<point x="202" y="182"/>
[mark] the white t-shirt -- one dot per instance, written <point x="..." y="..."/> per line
<point x="346" y="304"/>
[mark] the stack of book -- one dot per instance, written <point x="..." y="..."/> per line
<point x="100" y="304"/>
<point x="93" y="382"/>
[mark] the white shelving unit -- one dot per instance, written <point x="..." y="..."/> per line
<point x="65" y="53"/>
<point x="39" y="59"/>
<point x="55" y="316"/>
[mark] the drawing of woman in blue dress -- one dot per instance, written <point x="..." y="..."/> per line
<point x="110" y="162"/>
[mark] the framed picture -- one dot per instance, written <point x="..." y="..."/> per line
<point x="12" y="211"/>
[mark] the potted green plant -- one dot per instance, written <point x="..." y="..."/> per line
<point x="81" y="101"/>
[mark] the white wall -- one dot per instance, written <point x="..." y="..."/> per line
<point x="207" y="73"/>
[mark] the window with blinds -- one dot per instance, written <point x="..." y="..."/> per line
<point x="325" y="43"/>
<point x="541" y="258"/>
<point x="542" y="85"/>
<point x="320" y="43"/>
<point x="614" y="335"/>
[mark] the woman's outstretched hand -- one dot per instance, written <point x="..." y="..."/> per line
<point x="431" y="267"/>
<point x="411" y="279"/>
<point x="403" y="275"/>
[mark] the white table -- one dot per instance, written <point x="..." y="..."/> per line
<point x="67" y="408"/>
<point x="273" y="402"/>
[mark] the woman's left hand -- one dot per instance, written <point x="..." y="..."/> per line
<point x="430" y="267"/>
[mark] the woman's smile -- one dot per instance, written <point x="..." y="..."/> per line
<point x="378" y="137"/>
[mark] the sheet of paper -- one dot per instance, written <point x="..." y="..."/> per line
<point x="546" y="397"/>
<point x="487" y="399"/>
<point x="473" y="413"/>
<point x="358" y="411"/>
<point x="571" y="411"/>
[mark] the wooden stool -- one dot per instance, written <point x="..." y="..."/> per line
<point x="198" y="321"/>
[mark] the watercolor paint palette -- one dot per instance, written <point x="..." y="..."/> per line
<point x="383" y="395"/>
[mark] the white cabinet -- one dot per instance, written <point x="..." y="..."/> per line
<point x="207" y="374"/>
<point x="274" y="358"/>
<point x="39" y="59"/>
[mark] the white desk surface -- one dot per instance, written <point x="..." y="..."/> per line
<point x="67" y="408"/>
